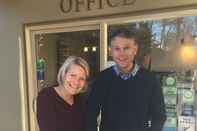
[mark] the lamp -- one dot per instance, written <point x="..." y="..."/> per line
<point x="85" y="49"/>
<point x="183" y="56"/>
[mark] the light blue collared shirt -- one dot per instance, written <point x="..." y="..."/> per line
<point x="126" y="76"/>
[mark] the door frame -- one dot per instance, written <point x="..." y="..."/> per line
<point x="28" y="51"/>
<point x="30" y="48"/>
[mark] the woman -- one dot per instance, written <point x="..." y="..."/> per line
<point x="59" y="108"/>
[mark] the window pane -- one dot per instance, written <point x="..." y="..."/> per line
<point x="169" y="48"/>
<point x="53" y="49"/>
<point x="161" y="43"/>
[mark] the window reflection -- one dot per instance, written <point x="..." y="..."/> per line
<point x="161" y="40"/>
<point x="169" y="48"/>
<point x="55" y="48"/>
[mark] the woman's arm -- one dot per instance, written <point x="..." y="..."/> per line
<point x="45" y="111"/>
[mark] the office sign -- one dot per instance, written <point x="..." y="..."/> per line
<point x="108" y="7"/>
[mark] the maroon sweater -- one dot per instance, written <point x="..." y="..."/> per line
<point x="54" y="114"/>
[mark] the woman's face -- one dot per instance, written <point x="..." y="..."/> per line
<point x="74" y="79"/>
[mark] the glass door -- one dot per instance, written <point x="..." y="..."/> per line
<point x="47" y="47"/>
<point x="53" y="49"/>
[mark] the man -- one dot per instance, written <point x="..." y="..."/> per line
<point x="129" y="97"/>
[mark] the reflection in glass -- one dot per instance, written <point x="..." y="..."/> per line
<point x="161" y="42"/>
<point x="169" y="48"/>
<point x="55" y="48"/>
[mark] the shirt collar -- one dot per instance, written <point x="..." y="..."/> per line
<point x="126" y="76"/>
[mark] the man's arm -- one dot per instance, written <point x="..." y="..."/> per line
<point x="45" y="112"/>
<point x="157" y="107"/>
<point x="94" y="104"/>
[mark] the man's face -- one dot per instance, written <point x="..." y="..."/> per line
<point x="123" y="52"/>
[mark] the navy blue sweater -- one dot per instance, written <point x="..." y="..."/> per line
<point x="126" y="105"/>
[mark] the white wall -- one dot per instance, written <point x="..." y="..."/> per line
<point x="9" y="90"/>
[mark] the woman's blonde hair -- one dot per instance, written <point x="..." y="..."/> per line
<point x="71" y="60"/>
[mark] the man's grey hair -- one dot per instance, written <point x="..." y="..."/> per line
<point x="126" y="33"/>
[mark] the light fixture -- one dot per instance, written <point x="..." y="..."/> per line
<point x="195" y="38"/>
<point x="188" y="53"/>
<point x="94" y="48"/>
<point x="85" y="49"/>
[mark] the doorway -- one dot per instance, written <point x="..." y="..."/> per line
<point x="47" y="49"/>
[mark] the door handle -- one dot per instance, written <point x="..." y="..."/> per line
<point x="34" y="105"/>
